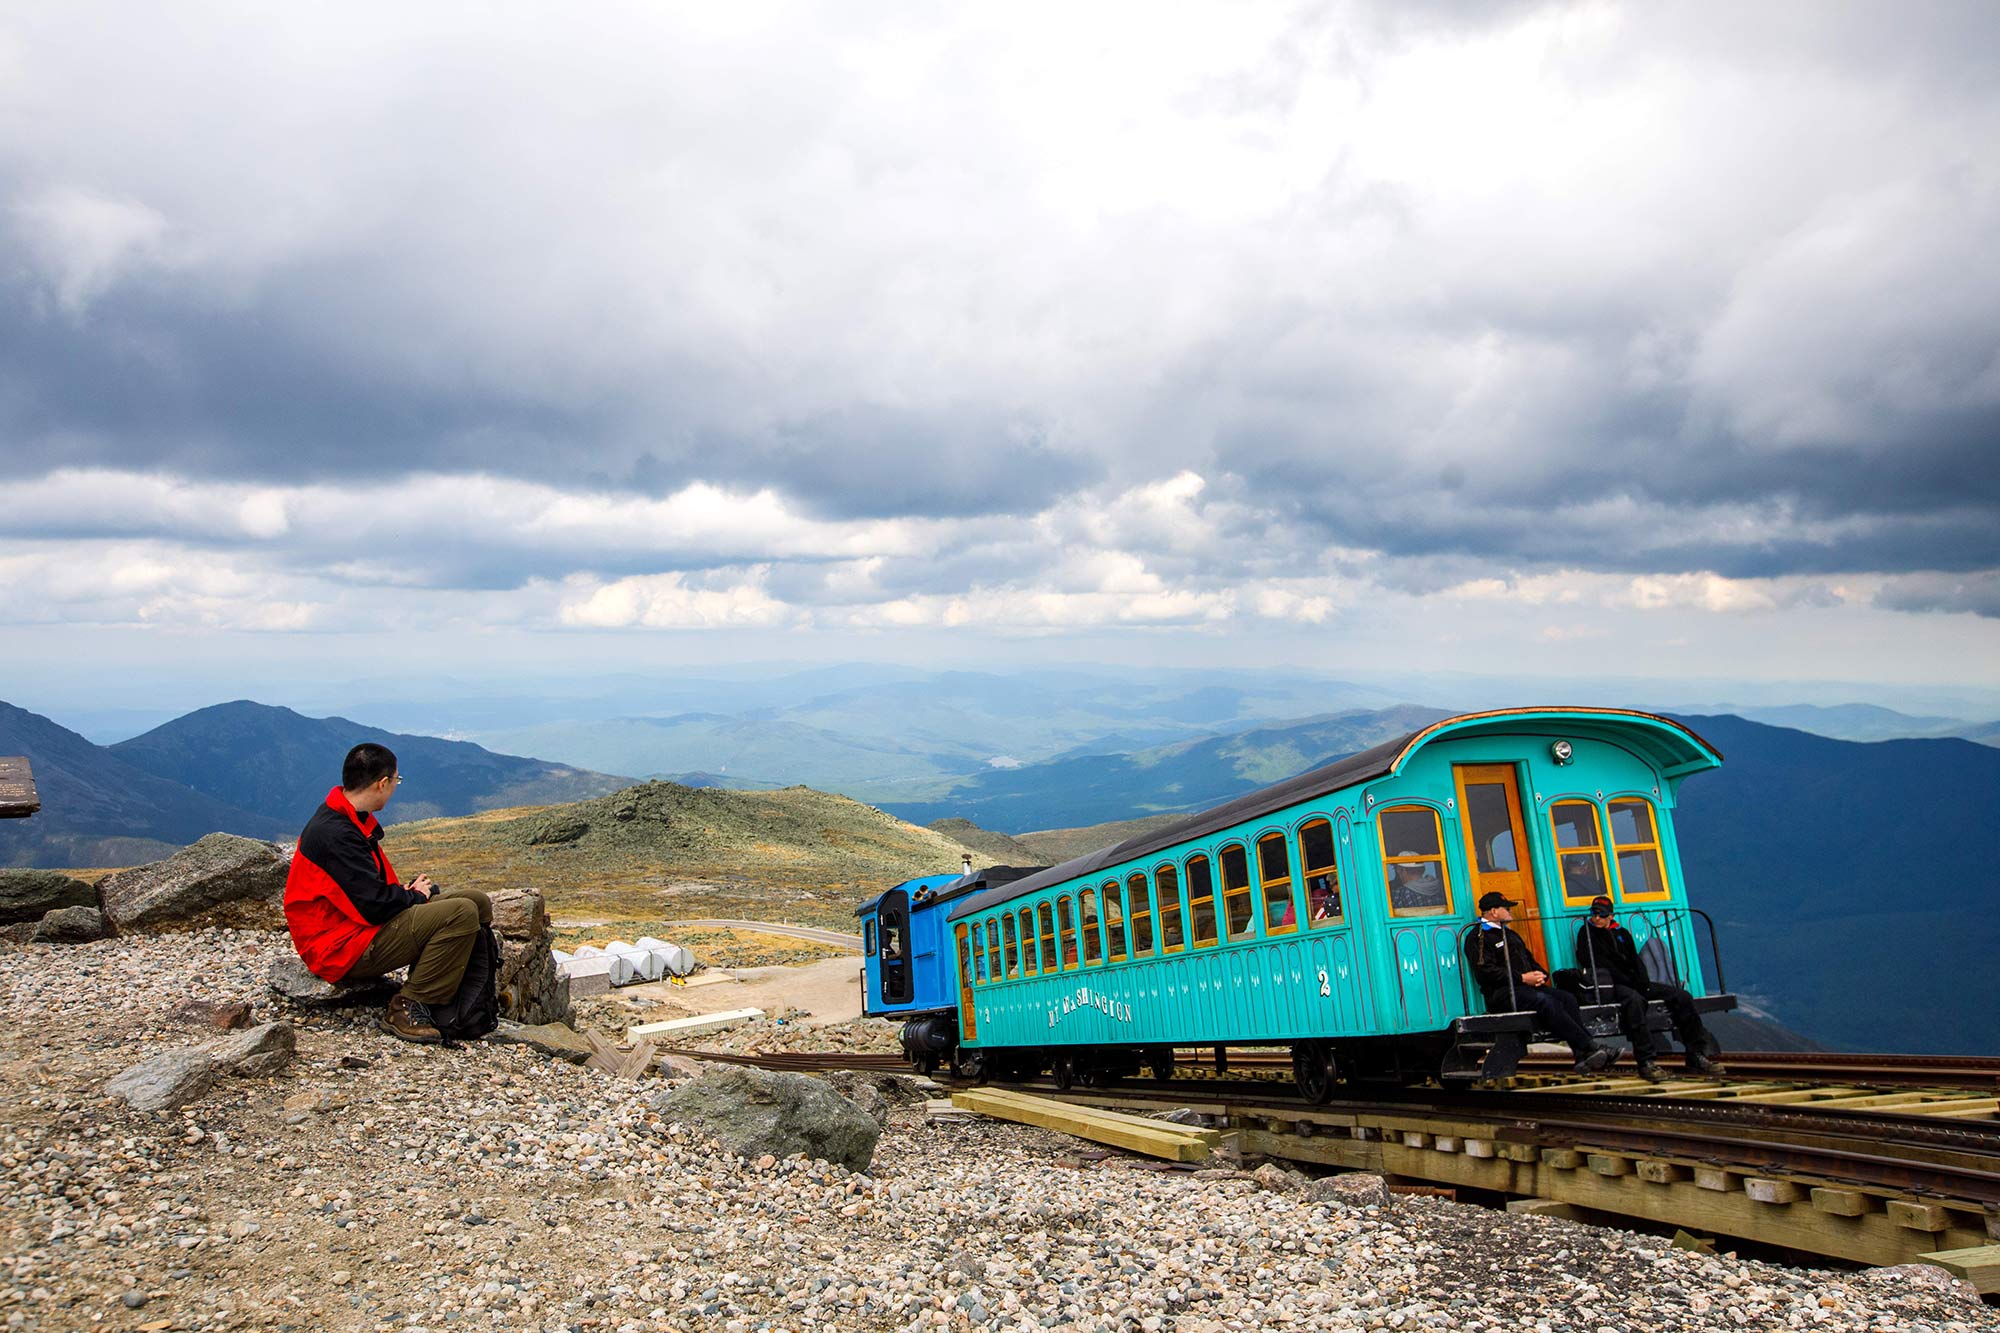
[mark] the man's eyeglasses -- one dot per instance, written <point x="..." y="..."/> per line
<point x="397" y="779"/>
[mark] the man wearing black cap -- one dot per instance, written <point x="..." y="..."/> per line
<point x="1513" y="979"/>
<point x="1604" y="946"/>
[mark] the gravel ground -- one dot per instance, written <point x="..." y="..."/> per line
<point x="377" y="1186"/>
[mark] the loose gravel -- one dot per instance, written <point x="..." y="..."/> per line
<point x="376" y="1186"/>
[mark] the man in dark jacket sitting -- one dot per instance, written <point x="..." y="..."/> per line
<point x="351" y="916"/>
<point x="1604" y="946"/>
<point x="1512" y="979"/>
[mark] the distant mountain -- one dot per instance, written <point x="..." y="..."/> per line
<point x="1985" y="733"/>
<point x="1056" y="845"/>
<point x="277" y="763"/>
<point x="1191" y="775"/>
<point x="1847" y="722"/>
<point x="988" y="848"/>
<point x="100" y="811"/>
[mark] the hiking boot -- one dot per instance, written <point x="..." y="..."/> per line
<point x="1594" y="1059"/>
<point x="410" y="1020"/>
<point x="1700" y="1064"/>
<point x="1651" y="1072"/>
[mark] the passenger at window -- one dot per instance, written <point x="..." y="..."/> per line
<point x="1416" y="884"/>
<point x="1513" y="979"/>
<point x="1607" y="947"/>
<point x="1323" y="898"/>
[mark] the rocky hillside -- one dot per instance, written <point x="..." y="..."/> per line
<point x="683" y="852"/>
<point x="989" y="848"/>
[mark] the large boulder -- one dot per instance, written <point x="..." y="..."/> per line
<point x="758" y="1111"/>
<point x="223" y="880"/>
<point x="165" y="1081"/>
<point x="291" y="982"/>
<point x="28" y="895"/>
<point x="256" y="1052"/>
<point x="71" y="925"/>
<point x="519" y="914"/>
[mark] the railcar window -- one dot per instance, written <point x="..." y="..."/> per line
<point x="1048" y="918"/>
<point x="1201" y="902"/>
<point x="1114" y="923"/>
<point x="1167" y="890"/>
<point x="1086" y="912"/>
<point x="993" y="950"/>
<point x="1013" y="947"/>
<point x="964" y="962"/>
<point x="1580" y="850"/>
<point x="1027" y="941"/>
<point x="1635" y="833"/>
<point x="1068" y="918"/>
<point x="1492" y="821"/>
<point x="1236" y="890"/>
<point x="979" y="952"/>
<point x="1413" y="861"/>
<point x="869" y="945"/>
<point x="1322" y="874"/>
<point x="1140" y="905"/>
<point x="1274" y="872"/>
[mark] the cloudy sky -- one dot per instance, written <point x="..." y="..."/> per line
<point x="1557" y="338"/>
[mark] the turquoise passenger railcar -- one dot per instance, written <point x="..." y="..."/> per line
<point x="1327" y="913"/>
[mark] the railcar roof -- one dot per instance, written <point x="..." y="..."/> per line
<point x="1685" y="752"/>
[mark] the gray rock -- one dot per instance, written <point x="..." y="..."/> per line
<point x="559" y="829"/>
<point x="759" y="1111"/>
<point x="531" y="990"/>
<point x="860" y="1089"/>
<point x="1277" y="1179"/>
<point x="226" y="1015"/>
<point x="223" y="880"/>
<point x="1185" y="1115"/>
<point x="554" y="1039"/>
<point x="290" y="981"/>
<point x="70" y="925"/>
<point x="165" y="1081"/>
<point x="19" y="932"/>
<point x="1357" y="1189"/>
<point x="256" y="1052"/>
<point x="29" y="895"/>
<point x="519" y="914"/>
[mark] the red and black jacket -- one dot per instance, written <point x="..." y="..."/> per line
<point x="341" y="888"/>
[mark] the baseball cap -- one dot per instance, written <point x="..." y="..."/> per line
<point x="1496" y="899"/>
<point x="1600" y="906"/>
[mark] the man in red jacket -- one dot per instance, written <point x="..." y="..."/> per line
<point x="351" y="916"/>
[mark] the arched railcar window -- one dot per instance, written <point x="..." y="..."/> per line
<point x="1167" y="892"/>
<point x="1140" y="904"/>
<point x="1048" y="919"/>
<point x="1067" y="915"/>
<point x="993" y="968"/>
<point x="1274" y="876"/>
<point x="1087" y="924"/>
<point x="964" y="960"/>
<point x="1027" y="918"/>
<point x="979" y="951"/>
<point x="1236" y="907"/>
<point x="1413" y="861"/>
<point x="1114" y="923"/>
<point x="1635" y="836"/>
<point x="1581" y="851"/>
<point x="1318" y="867"/>
<point x="1013" y="950"/>
<point x="1201" y="902"/>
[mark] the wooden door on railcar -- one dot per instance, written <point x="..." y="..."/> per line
<point x="1496" y="845"/>
<point x="968" y="1025"/>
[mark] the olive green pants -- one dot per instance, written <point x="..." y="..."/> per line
<point x="432" y="939"/>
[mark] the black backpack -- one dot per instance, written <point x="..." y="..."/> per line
<point x="475" y="1010"/>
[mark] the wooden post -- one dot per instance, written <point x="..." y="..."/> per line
<point x="18" y="797"/>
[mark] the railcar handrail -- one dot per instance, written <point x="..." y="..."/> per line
<point x="1659" y="921"/>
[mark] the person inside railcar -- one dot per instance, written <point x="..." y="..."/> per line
<point x="1607" y="947"/>
<point x="1323" y="898"/>
<point x="1513" y="979"/>
<point x="1416" y="883"/>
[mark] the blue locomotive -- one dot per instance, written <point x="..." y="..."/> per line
<point x="1326" y="913"/>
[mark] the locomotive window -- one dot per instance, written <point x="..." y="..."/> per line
<point x="1068" y="933"/>
<point x="979" y="952"/>
<point x="1322" y="874"/>
<point x="993" y="950"/>
<point x="1580" y="850"/>
<point x="1086" y="913"/>
<point x="1027" y="941"/>
<point x="869" y="945"/>
<point x="1048" y="916"/>
<point x="1114" y="924"/>
<point x="1635" y="834"/>
<point x="1201" y="902"/>
<point x="1013" y="946"/>
<point x="1167" y="890"/>
<point x="1274" y="871"/>
<point x="1236" y="890"/>
<point x="1140" y="905"/>
<point x="1413" y="862"/>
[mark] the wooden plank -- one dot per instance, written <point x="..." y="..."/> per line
<point x="18" y="797"/>
<point x="692" y="1027"/>
<point x="1562" y="1159"/>
<point x="1918" y="1216"/>
<point x="1175" y="1143"/>
<point x="1543" y="1208"/>
<point x="1841" y="1203"/>
<point x="1139" y="1121"/>
<point x="1714" y="1178"/>
<point x="1979" y="1265"/>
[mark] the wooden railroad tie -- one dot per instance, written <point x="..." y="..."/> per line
<point x="1156" y="1138"/>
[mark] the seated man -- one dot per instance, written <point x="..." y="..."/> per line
<point x="351" y="916"/>
<point x="1512" y="978"/>
<point x="1607" y="947"/>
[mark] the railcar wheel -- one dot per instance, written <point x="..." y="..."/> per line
<point x="1162" y="1062"/>
<point x="977" y="1066"/>
<point x="1063" y="1072"/>
<point x="1312" y="1069"/>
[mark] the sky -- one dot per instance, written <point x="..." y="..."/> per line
<point x="1556" y="339"/>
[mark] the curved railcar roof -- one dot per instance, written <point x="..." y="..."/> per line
<point x="1684" y="752"/>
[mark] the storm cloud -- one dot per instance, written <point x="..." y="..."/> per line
<point x="871" y="317"/>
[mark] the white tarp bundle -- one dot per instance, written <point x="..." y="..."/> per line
<point x="645" y="964"/>
<point x="675" y="961"/>
<point x="593" y="961"/>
